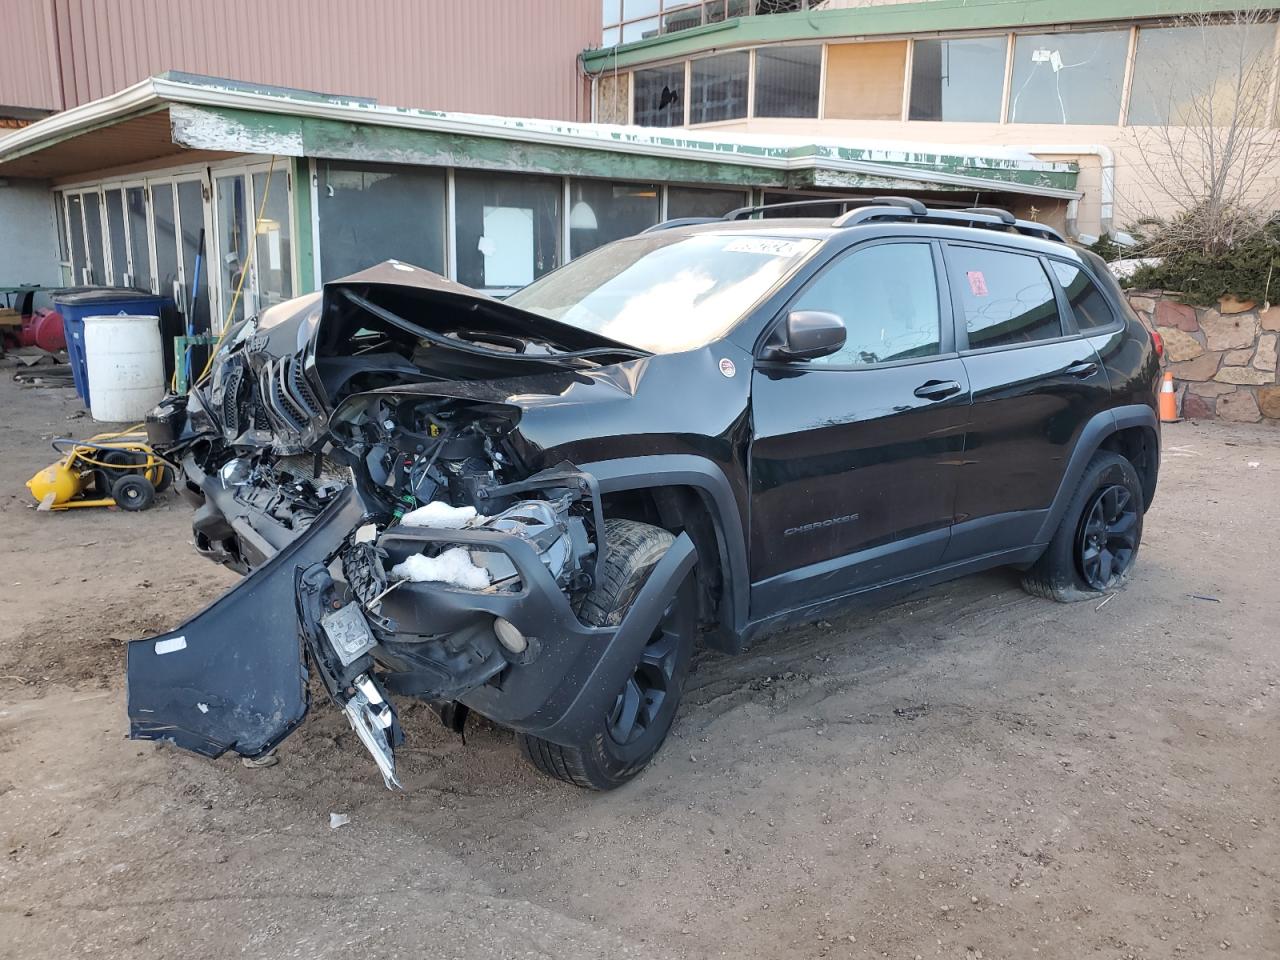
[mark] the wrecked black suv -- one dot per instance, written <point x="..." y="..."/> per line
<point x="535" y="508"/>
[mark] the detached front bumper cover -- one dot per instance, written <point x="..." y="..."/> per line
<point x="234" y="677"/>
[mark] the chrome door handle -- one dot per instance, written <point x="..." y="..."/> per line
<point x="937" y="389"/>
<point x="1081" y="369"/>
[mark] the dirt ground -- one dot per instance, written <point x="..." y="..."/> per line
<point x="969" y="773"/>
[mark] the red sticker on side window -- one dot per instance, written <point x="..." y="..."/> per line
<point x="977" y="283"/>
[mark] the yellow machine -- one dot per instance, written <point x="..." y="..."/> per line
<point x="111" y="469"/>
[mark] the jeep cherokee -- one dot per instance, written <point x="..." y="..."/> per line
<point x="534" y="508"/>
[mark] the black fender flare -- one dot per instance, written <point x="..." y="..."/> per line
<point x="1092" y="436"/>
<point x="705" y="476"/>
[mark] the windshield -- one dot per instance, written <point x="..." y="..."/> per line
<point x="662" y="292"/>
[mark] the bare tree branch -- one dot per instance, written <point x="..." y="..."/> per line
<point x="1202" y="122"/>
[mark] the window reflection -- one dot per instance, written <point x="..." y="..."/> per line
<point x="1196" y="74"/>
<point x="959" y="80"/>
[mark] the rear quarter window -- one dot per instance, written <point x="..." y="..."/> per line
<point x="1088" y="304"/>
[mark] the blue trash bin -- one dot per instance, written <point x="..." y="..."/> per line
<point x="103" y="301"/>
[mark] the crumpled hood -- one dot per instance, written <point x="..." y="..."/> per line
<point x="476" y="308"/>
<point x="289" y="327"/>
<point x="281" y="376"/>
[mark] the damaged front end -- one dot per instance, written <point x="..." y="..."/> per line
<point x="413" y="550"/>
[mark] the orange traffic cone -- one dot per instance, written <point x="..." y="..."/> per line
<point x="1168" y="401"/>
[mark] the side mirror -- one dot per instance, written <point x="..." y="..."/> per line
<point x="805" y="335"/>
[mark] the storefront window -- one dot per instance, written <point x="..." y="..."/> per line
<point x="375" y="212"/>
<point x="788" y="81"/>
<point x="960" y="80"/>
<point x="696" y="202"/>
<point x="1201" y="75"/>
<point x="601" y="212"/>
<point x="1068" y="77"/>
<point x="508" y="228"/>
<point x="659" y="96"/>
<point x="718" y="88"/>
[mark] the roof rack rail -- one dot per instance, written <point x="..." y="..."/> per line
<point x="989" y="217"/>
<point x="742" y="213"/>
<point x="1005" y="216"/>
<point x="680" y="222"/>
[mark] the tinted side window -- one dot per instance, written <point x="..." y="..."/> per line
<point x="887" y="296"/>
<point x="1006" y="297"/>
<point x="1089" y="306"/>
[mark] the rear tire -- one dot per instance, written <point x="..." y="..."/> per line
<point x="1096" y="544"/>
<point x="628" y="735"/>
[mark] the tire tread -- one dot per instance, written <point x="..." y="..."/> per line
<point x="634" y="548"/>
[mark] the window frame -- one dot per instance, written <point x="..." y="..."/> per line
<point x="947" y="344"/>
<point x="960" y="322"/>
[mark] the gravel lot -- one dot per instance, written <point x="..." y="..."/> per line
<point x="969" y="773"/>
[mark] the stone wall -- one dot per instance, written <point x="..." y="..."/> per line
<point x="1223" y="359"/>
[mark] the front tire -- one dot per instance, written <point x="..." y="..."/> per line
<point x="1096" y="544"/>
<point x="634" y="728"/>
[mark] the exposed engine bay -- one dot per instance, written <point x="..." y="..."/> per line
<point x="408" y="536"/>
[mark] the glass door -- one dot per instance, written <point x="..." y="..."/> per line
<point x="140" y="252"/>
<point x="93" y="236"/>
<point x="64" y="246"/>
<point x="168" y="275"/>
<point x="75" y="230"/>
<point x="232" y="221"/>
<point x="273" y="258"/>
<point x="119" y="270"/>
<point x="193" y="247"/>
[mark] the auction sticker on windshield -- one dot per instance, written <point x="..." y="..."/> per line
<point x="766" y="245"/>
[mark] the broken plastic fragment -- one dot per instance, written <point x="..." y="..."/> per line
<point x="374" y="721"/>
<point x="454" y="566"/>
<point x="337" y="820"/>
<point x="439" y="514"/>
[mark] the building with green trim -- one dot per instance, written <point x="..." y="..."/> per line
<point x="288" y="189"/>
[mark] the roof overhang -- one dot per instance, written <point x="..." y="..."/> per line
<point x="165" y="116"/>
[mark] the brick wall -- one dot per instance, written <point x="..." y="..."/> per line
<point x="1223" y="359"/>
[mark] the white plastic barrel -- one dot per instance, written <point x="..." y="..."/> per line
<point x="125" y="364"/>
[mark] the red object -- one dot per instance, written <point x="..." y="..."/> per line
<point x="43" y="329"/>
<point x="1157" y="341"/>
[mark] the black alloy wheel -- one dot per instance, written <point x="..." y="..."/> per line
<point x="1108" y="537"/>
<point x="638" y="705"/>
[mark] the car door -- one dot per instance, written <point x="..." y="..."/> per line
<point x="1035" y="380"/>
<point x="854" y="457"/>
